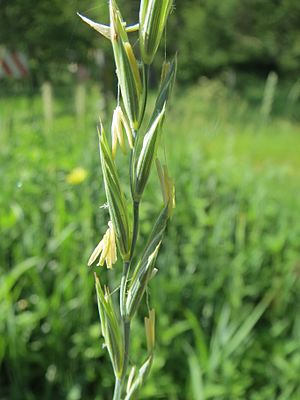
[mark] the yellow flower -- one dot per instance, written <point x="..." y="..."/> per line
<point x="106" y="249"/>
<point x="76" y="176"/>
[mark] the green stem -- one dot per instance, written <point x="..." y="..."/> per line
<point x="123" y="288"/>
<point x="136" y="209"/>
<point x="146" y="74"/>
<point x="125" y="327"/>
<point x="126" y="265"/>
<point x="118" y="389"/>
<point x="126" y="330"/>
<point x="124" y="279"/>
<point x="131" y="172"/>
<point x="119" y="382"/>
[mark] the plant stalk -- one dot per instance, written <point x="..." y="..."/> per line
<point x="126" y="330"/>
<point x="136" y="209"/>
<point x="118" y="389"/>
<point x="125" y="321"/>
<point x="146" y="74"/>
<point x="119" y="383"/>
<point x="124" y="279"/>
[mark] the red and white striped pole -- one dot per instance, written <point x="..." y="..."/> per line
<point x="13" y="65"/>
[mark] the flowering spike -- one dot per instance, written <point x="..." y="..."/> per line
<point x="115" y="197"/>
<point x="147" y="155"/>
<point x="127" y="67"/>
<point x="140" y="280"/>
<point x="110" y="327"/>
<point x="123" y="227"/>
<point x="153" y="18"/>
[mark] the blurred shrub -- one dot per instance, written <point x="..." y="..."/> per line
<point x="253" y="35"/>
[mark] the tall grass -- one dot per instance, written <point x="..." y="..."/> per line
<point x="228" y="288"/>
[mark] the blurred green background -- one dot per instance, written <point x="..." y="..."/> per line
<point x="227" y="293"/>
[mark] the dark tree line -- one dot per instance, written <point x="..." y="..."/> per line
<point x="210" y="35"/>
<point x="251" y="35"/>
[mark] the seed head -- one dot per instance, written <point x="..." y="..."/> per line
<point x="153" y="18"/>
<point x="127" y="66"/>
<point x="147" y="155"/>
<point x="115" y="197"/>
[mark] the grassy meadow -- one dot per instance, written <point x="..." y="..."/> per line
<point x="227" y="294"/>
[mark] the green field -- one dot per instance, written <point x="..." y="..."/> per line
<point x="227" y="293"/>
